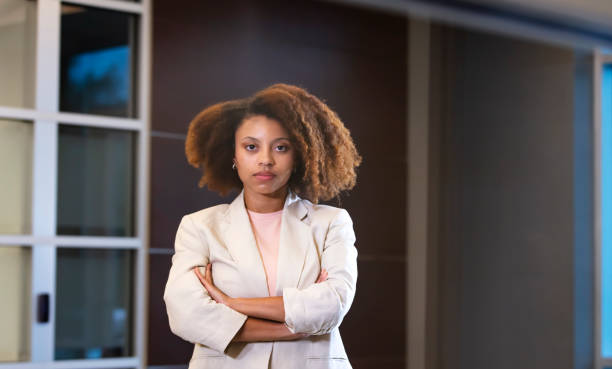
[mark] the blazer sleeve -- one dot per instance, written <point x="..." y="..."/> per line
<point x="192" y="314"/>
<point x="320" y="308"/>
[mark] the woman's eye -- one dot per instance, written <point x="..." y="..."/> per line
<point x="250" y="147"/>
<point x="281" y="148"/>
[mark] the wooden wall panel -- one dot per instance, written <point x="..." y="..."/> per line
<point x="505" y="139"/>
<point x="355" y="60"/>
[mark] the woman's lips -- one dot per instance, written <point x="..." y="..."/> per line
<point x="264" y="176"/>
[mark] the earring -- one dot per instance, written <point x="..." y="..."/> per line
<point x="234" y="165"/>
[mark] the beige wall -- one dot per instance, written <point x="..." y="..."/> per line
<point x="17" y="26"/>
<point x="17" y="45"/>
<point x="17" y="30"/>
<point x="15" y="271"/>
<point x="16" y="178"/>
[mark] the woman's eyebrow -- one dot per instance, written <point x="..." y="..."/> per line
<point x="249" y="138"/>
<point x="274" y="140"/>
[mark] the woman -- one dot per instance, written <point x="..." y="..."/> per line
<point x="264" y="282"/>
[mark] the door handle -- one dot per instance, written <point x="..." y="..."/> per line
<point x="42" y="308"/>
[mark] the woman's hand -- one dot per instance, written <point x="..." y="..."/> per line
<point x="270" y="308"/>
<point x="322" y="276"/>
<point x="207" y="282"/>
<point x="259" y="330"/>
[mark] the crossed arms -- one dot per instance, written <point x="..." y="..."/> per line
<point x="196" y="316"/>
<point x="266" y="315"/>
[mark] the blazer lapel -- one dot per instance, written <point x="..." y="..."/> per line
<point x="243" y="248"/>
<point x="294" y="239"/>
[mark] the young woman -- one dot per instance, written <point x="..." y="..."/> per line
<point x="264" y="282"/>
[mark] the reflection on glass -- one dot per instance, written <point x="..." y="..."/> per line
<point x="94" y="303"/>
<point x="17" y="52"/>
<point x="97" y="59"/>
<point x="96" y="174"/>
<point x="15" y="176"/>
<point x="15" y="287"/>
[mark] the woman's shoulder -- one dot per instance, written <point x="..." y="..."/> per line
<point x="209" y="214"/>
<point x="325" y="213"/>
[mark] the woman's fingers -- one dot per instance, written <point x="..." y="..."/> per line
<point x="322" y="276"/>
<point x="208" y="275"/>
<point x="208" y="288"/>
<point x="204" y="279"/>
<point x="200" y="276"/>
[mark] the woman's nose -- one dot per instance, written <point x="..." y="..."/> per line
<point x="265" y="157"/>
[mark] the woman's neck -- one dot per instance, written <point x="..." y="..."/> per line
<point x="265" y="203"/>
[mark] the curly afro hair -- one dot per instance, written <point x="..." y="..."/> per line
<point x="326" y="157"/>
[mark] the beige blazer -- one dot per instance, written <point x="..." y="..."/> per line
<point x="312" y="237"/>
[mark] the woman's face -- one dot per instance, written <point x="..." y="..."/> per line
<point x="264" y="156"/>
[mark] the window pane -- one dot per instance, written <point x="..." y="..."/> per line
<point x="97" y="60"/>
<point x="16" y="178"/>
<point x="15" y="287"/>
<point x="96" y="172"/>
<point x="606" y="213"/>
<point x="94" y="303"/>
<point x="17" y="52"/>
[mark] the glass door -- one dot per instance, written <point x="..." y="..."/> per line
<point x="73" y="151"/>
